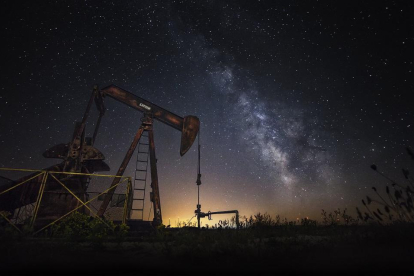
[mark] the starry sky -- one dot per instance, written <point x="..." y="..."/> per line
<point x="296" y="98"/>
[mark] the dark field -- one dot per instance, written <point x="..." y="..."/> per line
<point x="283" y="249"/>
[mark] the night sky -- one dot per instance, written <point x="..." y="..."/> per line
<point x="296" y="98"/>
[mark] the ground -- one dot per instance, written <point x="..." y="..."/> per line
<point x="265" y="250"/>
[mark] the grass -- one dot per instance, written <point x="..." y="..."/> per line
<point x="394" y="203"/>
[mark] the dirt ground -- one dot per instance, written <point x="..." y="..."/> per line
<point x="298" y="255"/>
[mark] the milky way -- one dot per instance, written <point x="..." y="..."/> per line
<point x="296" y="100"/>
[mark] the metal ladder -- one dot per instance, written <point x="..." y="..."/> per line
<point x="140" y="179"/>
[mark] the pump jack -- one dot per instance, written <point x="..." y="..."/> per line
<point x="188" y="126"/>
<point x="79" y="154"/>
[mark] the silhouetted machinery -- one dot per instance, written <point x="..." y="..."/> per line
<point x="80" y="156"/>
<point x="198" y="213"/>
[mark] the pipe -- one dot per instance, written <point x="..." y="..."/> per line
<point x="202" y="215"/>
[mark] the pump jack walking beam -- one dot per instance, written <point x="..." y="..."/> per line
<point x="189" y="125"/>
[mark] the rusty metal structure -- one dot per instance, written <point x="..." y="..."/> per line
<point x="47" y="198"/>
<point x="81" y="159"/>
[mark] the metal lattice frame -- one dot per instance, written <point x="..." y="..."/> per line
<point x="52" y="174"/>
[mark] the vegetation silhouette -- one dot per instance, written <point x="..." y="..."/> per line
<point x="396" y="205"/>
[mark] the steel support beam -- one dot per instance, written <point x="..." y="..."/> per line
<point x="155" y="198"/>
<point x="121" y="170"/>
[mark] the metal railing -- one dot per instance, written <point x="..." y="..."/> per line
<point x="43" y="177"/>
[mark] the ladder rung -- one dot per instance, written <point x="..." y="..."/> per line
<point x="137" y="209"/>
<point x="140" y="179"/>
<point x="142" y="161"/>
<point x="141" y="170"/>
<point x="145" y="144"/>
<point x="139" y="189"/>
<point x="146" y="152"/>
<point x="138" y="199"/>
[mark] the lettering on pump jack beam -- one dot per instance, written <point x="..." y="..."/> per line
<point x="145" y="106"/>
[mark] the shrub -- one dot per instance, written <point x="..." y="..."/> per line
<point x="79" y="227"/>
